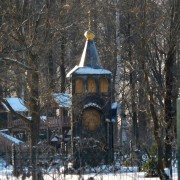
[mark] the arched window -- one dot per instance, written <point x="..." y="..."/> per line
<point x="91" y="85"/>
<point x="79" y="86"/>
<point x="104" y="85"/>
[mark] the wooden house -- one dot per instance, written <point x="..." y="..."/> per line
<point x="56" y="119"/>
<point x="7" y="142"/>
<point x="9" y="121"/>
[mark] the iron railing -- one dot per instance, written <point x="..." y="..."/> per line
<point x="48" y="162"/>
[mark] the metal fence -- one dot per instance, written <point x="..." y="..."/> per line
<point x="47" y="162"/>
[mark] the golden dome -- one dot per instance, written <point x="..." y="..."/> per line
<point x="89" y="35"/>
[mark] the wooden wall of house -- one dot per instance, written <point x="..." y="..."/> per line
<point x="3" y="117"/>
<point x="6" y="149"/>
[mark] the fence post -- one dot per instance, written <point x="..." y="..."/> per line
<point x="178" y="136"/>
<point x="14" y="163"/>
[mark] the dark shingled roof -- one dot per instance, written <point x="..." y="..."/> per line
<point x="90" y="56"/>
<point x="89" y="62"/>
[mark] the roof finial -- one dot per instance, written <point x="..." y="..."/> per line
<point x="89" y="34"/>
<point x="89" y="20"/>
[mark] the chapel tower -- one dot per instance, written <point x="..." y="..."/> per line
<point x="91" y="124"/>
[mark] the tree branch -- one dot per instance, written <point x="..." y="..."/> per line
<point x="15" y="61"/>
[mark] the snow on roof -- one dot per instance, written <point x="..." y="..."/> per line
<point x="87" y="70"/>
<point x="11" y="138"/>
<point x="114" y="105"/>
<point x="63" y="99"/>
<point x="3" y="130"/>
<point x="91" y="105"/>
<point x="54" y="139"/>
<point x="72" y="70"/>
<point x="114" y="112"/>
<point x="43" y="118"/>
<point x="69" y="133"/>
<point x="16" y="103"/>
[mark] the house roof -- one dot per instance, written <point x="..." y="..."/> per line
<point x="90" y="56"/>
<point x="63" y="99"/>
<point x="114" y="105"/>
<point x="16" y="103"/>
<point x="11" y="138"/>
<point x="88" y="70"/>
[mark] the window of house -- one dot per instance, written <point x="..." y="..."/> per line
<point x="79" y="86"/>
<point x="91" y="85"/>
<point x="51" y="112"/>
<point x="3" y="116"/>
<point x="104" y="85"/>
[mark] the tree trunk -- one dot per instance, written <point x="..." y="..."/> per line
<point x="168" y="110"/>
<point x="169" y="80"/>
<point x="121" y="120"/>
<point x="62" y="66"/>
<point x="157" y="131"/>
<point x="135" y="135"/>
<point x="34" y="108"/>
<point x="51" y="71"/>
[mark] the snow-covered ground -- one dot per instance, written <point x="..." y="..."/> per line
<point x="6" y="174"/>
<point x="5" y="171"/>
